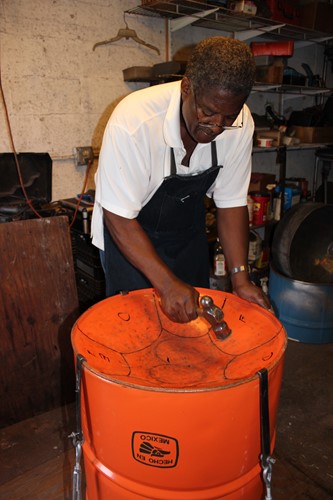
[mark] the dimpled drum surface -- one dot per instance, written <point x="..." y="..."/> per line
<point x="168" y="410"/>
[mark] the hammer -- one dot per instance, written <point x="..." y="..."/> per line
<point x="214" y="315"/>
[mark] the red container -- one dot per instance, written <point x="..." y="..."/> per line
<point x="281" y="49"/>
<point x="260" y="207"/>
<point x="285" y="11"/>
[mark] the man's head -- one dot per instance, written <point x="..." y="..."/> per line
<point x="221" y="62"/>
<point x="218" y="79"/>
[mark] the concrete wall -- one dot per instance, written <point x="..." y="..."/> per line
<point x="60" y="93"/>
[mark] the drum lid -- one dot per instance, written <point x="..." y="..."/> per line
<point x="128" y="339"/>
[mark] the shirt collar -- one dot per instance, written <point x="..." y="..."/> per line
<point x="171" y="127"/>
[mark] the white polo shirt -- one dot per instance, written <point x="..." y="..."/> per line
<point x="135" y="156"/>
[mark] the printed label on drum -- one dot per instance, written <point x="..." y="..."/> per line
<point x="155" y="450"/>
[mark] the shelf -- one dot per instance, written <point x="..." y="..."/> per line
<point x="209" y="15"/>
<point x="155" y="80"/>
<point x="302" y="90"/>
<point x="299" y="147"/>
<point x="276" y="88"/>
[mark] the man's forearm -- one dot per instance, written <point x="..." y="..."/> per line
<point x="135" y="245"/>
<point x="233" y="231"/>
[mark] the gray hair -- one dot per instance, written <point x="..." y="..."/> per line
<point x="221" y="62"/>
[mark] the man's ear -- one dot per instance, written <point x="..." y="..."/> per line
<point x="186" y="86"/>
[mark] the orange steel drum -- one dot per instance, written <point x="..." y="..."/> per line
<point x="169" y="411"/>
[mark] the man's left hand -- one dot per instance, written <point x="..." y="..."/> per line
<point x="252" y="293"/>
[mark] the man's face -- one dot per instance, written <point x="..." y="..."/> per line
<point x="206" y="115"/>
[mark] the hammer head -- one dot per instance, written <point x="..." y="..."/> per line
<point x="214" y="315"/>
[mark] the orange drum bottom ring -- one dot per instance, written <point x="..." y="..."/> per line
<point x="168" y="411"/>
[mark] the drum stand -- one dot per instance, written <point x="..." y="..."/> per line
<point x="77" y="436"/>
<point x="267" y="460"/>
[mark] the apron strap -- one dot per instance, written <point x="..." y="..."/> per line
<point x="214" y="153"/>
<point x="173" y="168"/>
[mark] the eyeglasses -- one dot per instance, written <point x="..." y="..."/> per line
<point x="206" y="119"/>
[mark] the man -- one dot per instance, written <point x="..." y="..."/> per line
<point x="164" y="148"/>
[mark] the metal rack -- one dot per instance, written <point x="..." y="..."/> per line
<point x="290" y="90"/>
<point x="210" y="14"/>
<point x="213" y="16"/>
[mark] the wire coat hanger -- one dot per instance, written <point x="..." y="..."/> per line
<point x="128" y="34"/>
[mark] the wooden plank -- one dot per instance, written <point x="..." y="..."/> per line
<point x="38" y="306"/>
<point x="34" y="441"/>
<point x="37" y="457"/>
<point x="50" y="480"/>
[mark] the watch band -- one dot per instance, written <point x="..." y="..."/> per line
<point x="238" y="269"/>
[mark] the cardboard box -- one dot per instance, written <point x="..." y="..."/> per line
<point x="292" y="196"/>
<point x="311" y="135"/>
<point x="317" y="16"/>
<point x="243" y="7"/>
<point x="138" y="74"/>
<point x="259" y="181"/>
<point x="269" y="74"/>
<point x="264" y="60"/>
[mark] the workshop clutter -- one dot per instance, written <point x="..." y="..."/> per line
<point x="286" y="11"/>
<point x="272" y="65"/>
<point x="317" y="16"/>
<point x="292" y="196"/>
<point x="265" y="197"/>
<point x="243" y="7"/>
<point x="280" y="49"/>
<point x="269" y="58"/>
<point x="260" y="197"/>
<point x="310" y="135"/>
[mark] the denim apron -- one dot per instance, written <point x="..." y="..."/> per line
<point x="174" y="219"/>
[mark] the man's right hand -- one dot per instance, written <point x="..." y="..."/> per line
<point x="179" y="301"/>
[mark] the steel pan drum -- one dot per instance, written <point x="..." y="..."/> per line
<point x="168" y="410"/>
<point x="302" y="246"/>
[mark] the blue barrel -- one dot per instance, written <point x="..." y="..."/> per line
<point x="304" y="309"/>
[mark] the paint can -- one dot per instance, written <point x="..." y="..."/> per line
<point x="261" y="201"/>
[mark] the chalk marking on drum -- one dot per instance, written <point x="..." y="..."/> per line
<point x="104" y="357"/>
<point x="127" y="318"/>
<point x="225" y="300"/>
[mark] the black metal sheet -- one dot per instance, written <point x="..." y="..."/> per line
<point x="36" y="170"/>
<point x="302" y="246"/>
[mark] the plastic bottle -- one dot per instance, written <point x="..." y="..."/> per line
<point x="220" y="268"/>
<point x="250" y="209"/>
<point x="255" y="245"/>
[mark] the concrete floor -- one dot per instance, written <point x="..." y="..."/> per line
<point x="304" y="446"/>
<point x="36" y="456"/>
